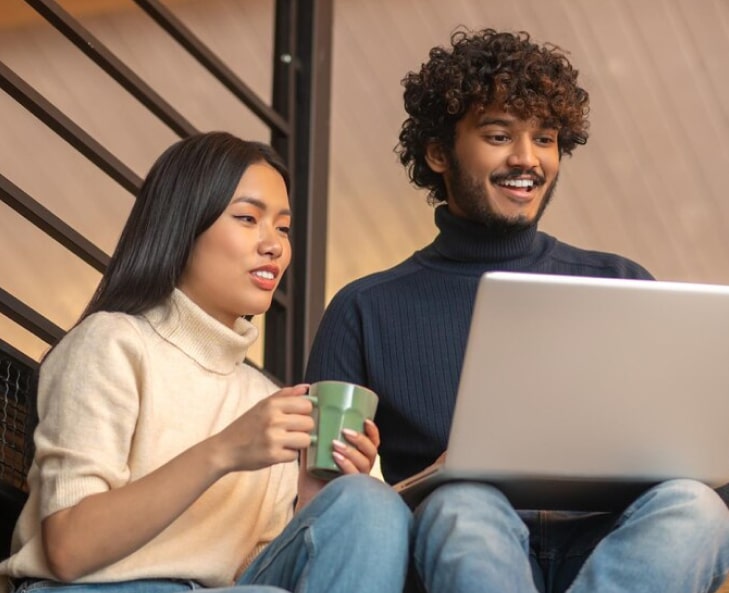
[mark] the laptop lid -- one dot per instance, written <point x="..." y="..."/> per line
<point x="580" y="393"/>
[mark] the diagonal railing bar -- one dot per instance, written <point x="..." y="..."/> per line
<point x="29" y="318"/>
<point x="104" y="58"/>
<point x="298" y="120"/>
<point x="27" y="96"/>
<point x="50" y="224"/>
<point x="178" y="31"/>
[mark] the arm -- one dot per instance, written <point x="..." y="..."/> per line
<point x="338" y="349"/>
<point x="93" y="513"/>
<point x="108" y="526"/>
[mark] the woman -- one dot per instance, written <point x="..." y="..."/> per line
<point x="164" y="462"/>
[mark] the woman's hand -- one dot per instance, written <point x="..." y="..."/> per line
<point x="359" y="453"/>
<point x="272" y="431"/>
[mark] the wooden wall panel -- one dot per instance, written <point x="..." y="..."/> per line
<point x="649" y="184"/>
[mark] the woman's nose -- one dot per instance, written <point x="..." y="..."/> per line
<point x="270" y="243"/>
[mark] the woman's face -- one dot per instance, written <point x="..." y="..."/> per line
<point x="237" y="263"/>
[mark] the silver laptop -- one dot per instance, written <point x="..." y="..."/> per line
<point x="581" y="393"/>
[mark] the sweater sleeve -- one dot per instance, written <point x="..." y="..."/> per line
<point x="88" y="402"/>
<point x="337" y="352"/>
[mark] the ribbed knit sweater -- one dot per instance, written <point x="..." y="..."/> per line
<point x="120" y="396"/>
<point x="402" y="332"/>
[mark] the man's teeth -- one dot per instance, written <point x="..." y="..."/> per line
<point x="264" y="274"/>
<point x="518" y="183"/>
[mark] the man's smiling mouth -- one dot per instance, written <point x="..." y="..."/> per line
<point x="519" y="181"/>
<point x="527" y="184"/>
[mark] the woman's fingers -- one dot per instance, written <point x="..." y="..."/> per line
<point x="358" y="453"/>
<point x="349" y="459"/>
<point x="272" y="431"/>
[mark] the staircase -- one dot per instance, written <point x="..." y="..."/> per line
<point x="92" y="93"/>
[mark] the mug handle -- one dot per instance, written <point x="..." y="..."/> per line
<point x="312" y="398"/>
<point x="315" y="402"/>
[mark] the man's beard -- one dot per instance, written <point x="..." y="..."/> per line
<point x="470" y="195"/>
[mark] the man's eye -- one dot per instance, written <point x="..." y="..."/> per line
<point x="498" y="138"/>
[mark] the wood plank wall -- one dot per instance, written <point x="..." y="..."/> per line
<point x="649" y="184"/>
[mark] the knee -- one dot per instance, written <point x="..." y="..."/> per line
<point x="458" y="497"/>
<point x="462" y="503"/>
<point x="696" y="502"/>
<point x="372" y="503"/>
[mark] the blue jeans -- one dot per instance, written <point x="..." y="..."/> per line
<point x="352" y="537"/>
<point x="673" y="539"/>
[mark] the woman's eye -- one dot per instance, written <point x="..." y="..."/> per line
<point x="284" y="230"/>
<point x="245" y="218"/>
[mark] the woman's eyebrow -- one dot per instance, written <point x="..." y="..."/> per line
<point x="260" y="204"/>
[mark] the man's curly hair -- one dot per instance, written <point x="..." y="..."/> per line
<point x="488" y="68"/>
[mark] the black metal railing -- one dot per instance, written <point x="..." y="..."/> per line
<point x="298" y="120"/>
<point x="17" y="421"/>
<point x="17" y="415"/>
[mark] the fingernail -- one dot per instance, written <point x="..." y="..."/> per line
<point x="338" y="456"/>
<point x="339" y="444"/>
<point x="349" y="432"/>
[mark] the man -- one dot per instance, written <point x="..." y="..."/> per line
<point x="490" y="119"/>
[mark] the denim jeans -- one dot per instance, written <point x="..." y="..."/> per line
<point x="673" y="539"/>
<point x="352" y="537"/>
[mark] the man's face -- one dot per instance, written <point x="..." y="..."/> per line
<point x="502" y="170"/>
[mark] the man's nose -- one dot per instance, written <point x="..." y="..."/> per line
<point x="523" y="155"/>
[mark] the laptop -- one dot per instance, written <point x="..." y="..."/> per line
<point x="581" y="393"/>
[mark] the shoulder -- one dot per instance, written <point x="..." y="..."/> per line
<point x="378" y="285"/>
<point x="597" y="263"/>
<point x="101" y="334"/>
<point x="94" y="372"/>
<point x="102" y="326"/>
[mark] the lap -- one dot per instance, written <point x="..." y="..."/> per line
<point x="137" y="586"/>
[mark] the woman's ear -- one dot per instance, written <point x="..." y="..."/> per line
<point x="435" y="157"/>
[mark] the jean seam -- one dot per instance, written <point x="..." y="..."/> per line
<point x="274" y="549"/>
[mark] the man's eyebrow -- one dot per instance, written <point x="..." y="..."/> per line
<point x="506" y="123"/>
<point x="258" y="204"/>
<point x="494" y="121"/>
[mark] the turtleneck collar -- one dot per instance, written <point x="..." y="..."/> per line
<point x="211" y="344"/>
<point x="466" y="241"/>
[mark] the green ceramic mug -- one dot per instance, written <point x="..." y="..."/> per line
<point x="337" y="405"/>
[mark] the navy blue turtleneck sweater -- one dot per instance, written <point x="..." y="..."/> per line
<point x="403" y="331"/>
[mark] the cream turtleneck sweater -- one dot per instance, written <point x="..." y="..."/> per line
<point x="121" y="395"/>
